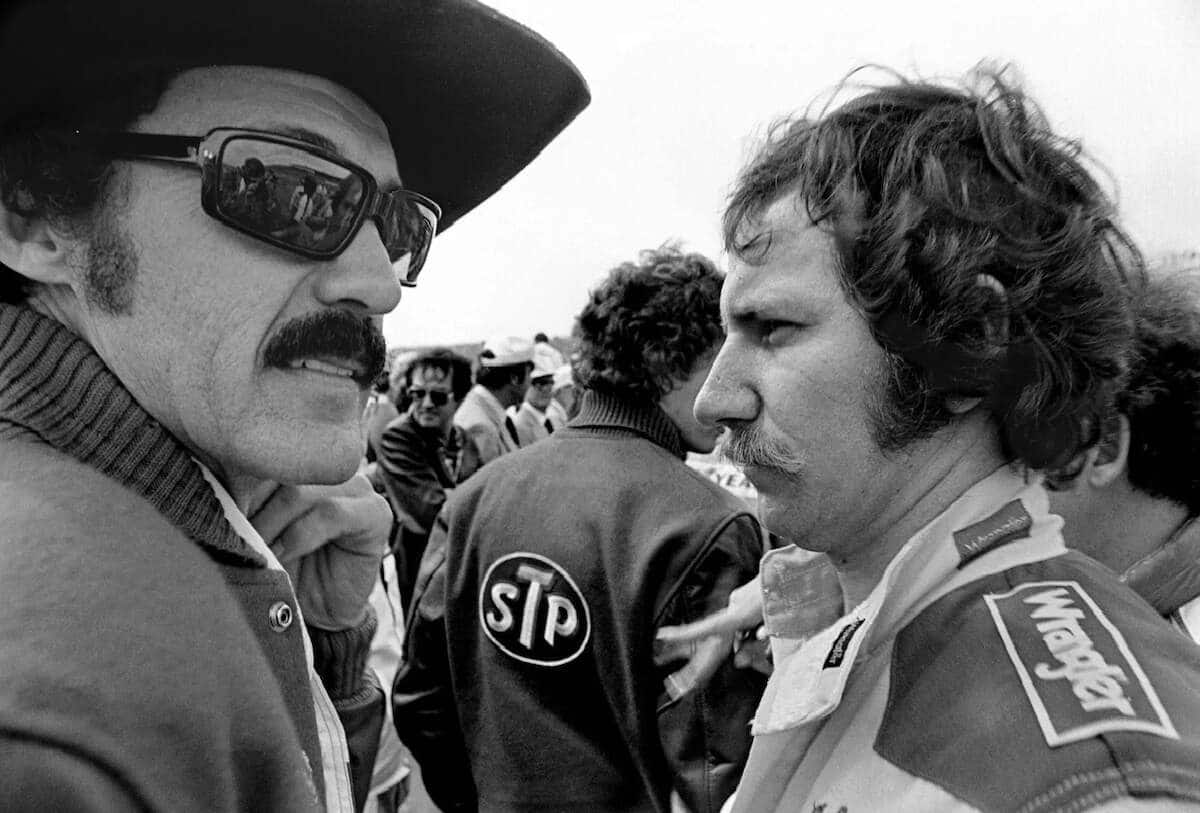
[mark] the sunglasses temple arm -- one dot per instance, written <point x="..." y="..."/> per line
<point x="169" y="148"/>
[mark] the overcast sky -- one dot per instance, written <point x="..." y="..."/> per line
<point x="681" y="91"/>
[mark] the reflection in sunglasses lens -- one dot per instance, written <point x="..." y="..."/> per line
<point x="286" y="195"/>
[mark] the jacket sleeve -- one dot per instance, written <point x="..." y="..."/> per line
<point x="706" y="734"/>
<point x="422" y="697"/>
<point x="340" y="660"/>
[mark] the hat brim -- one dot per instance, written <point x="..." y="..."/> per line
<point x="469" y="96"/>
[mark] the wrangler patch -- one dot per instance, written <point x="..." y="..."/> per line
<point x="1075" y="666"/>
<point x="1010" y="523"/>
<point x="533" y="611"/>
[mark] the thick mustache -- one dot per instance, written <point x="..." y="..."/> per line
<point x="749" y="445"/>
<point x="334" y="334"/>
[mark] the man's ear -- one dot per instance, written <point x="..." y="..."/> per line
<point x="1110" y="457"/>
<point x="35" y="249"/>
<point x="995" y="332"/>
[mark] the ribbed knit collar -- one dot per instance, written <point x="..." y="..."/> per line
<point x="601" y="411"/>
<point x="54" y="385"/>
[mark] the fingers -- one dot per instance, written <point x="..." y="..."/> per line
<point x="280" y="509"/>
<point x="707" y="659"/>
<point x="724" y="623"/>
<point x="745" y="612"/>
<point x="297" y="520"/>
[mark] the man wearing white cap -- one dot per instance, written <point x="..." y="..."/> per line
<point x="501" y="382"/>
<point x="531" y="419"/>
<point x="564" y="399"/>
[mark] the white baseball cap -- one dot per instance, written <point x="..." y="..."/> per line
<point x="506" y="350"/>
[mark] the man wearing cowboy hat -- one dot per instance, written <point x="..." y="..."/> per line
<point x="169" y="364"/>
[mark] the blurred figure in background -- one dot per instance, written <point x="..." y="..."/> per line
<point x="530" y="418"/>
<point x="500" y="382"/>
<point x="423" y="455"/>
<point x="545" y="354"/>
<point x="548" y="572"/>
<point x="379" y="413"/>
<point x="565" y="401"/>
<point x="1133" y="501"/>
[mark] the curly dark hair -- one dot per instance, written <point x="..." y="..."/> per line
<point x="47" y="172"/>
<point x="929" y="190"/>
<point x="449" y="363"/>
<point x="1162" y="398"/>
<point x="648" y="324"/>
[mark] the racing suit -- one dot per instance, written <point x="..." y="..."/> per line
<point x="989" y="669"/>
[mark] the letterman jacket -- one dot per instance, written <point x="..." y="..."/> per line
<point x="989" y="669"/>
<point x="149" y="658"/>
<point x="546" y="577"/>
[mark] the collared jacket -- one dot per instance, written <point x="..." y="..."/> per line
<point x="149" y="658"/>
<point x="530" y="682"/>
<point x="530" y="423"/>
<point x="990" y="669"/>
<point x="484" y="420"/>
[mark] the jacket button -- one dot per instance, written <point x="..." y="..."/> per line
<point x="279" y="616"/>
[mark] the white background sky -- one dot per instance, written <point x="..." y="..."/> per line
<point x="681" y="91"/>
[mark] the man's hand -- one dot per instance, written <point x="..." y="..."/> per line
<point x="330" y="539"/>
<point x="708" y="642"/>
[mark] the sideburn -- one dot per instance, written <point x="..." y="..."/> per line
<point x="111" y="261"/>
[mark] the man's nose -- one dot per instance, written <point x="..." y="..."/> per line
<point x="362" y="277"/>
<point x="727" y="394"/>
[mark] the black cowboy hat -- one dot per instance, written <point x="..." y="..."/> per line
<point x="469" y="96"/>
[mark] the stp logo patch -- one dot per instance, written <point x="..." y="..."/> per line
<point x="531" y="609"/>
<point x="1075" y="666"/>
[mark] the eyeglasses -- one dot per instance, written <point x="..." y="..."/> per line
<point x="542" y="382"/>
<point x="289" y="193"/>
<point x="439" y="397"/>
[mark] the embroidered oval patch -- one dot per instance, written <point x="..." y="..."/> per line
<point x="533" y="611"/>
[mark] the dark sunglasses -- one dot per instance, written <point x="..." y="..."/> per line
<point x="289" y="193"/>
<point x="439" y="397"/>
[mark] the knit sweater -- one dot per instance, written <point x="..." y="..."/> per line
<point x="66" y="420"/>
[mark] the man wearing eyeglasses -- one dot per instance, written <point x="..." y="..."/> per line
<point x="423" y="455"/>
<point x="170" y="363"/>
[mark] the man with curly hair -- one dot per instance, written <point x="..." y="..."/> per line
<point x="926" y="308"/>
<point x="1133" y="502"/>
<point x="548" y="572"/>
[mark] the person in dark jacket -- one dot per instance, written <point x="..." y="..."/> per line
<point x="171" y="372"/>
<point x="530" y="680"/>
<point x="423" y="455"/>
